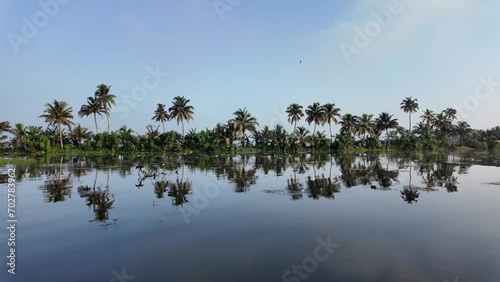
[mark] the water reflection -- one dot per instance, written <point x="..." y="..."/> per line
<point x="57" y="186"/>
<point x="100" y="201"/>
<point x="317" y="176"/>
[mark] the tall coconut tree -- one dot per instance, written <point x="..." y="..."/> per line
<point x="58" y="113"/>
<point x="181" y="111"/>
<point x="349" y="125"/>
<point x="295" y="114"/>
<point x="315" y="114"/>
<point x="93" y="107"/>
<point x="428" y="118"/>
<point x="19" y="134"/>
<point x="106" y="99"/>
<point x="409" y="106"/>
<point x="242" y="122"/>
<point x="331" y="114"/>
<point x="161" y="115"/>
<point x="384" y="122"/>
<point x="463" y="130"/>
<point x="366" y="126"/>
<point x="451" y="114"/>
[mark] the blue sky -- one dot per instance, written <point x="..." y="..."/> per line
<point x="435" y="51"/>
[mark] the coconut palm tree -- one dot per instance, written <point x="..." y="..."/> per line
<point x="161" y="115"/>
<point x="451" y="114"/>
<point x="331" y="113"/>
<point x="181" y="111"/>
<point x="4" y="127"/>
<point x="19" y="136"/>
<point x="302" y="135"/>
<point x="409" y="106"/>
<point x="428" y="118"/>
<point x="106" y="99"/>
<point x="58" y="113"/>
<point x="93" y="107"/>
<point x="295" y="113"/>
<point x="151" y="132"/>
<point x="243" y="121"/>
<point x="78" y="134"/>
<point x="349" y="125"/>
<point x="365" y="126"/>
<point x="463" y="130"/>
<point x="442" y="124"/>
<point x="385" y="121"/>
<point x="315" y="114"/>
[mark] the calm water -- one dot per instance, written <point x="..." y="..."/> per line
<point x="257" y="218"/>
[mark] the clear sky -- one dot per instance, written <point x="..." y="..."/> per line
<point x="249" y="56"/>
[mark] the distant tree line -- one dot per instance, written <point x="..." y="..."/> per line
<point x="434" y="131"/>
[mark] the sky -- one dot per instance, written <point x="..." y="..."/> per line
<point x="365" y="56"/>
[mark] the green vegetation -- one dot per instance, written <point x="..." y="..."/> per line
<point x="434" y="131"/>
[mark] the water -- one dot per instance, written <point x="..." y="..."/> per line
<point x="257" y="218"/>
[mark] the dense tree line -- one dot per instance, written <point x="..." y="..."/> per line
<point x="433" y="131"/>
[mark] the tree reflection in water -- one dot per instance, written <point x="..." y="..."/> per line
<point x="100" y="201"/>
<point x="315" y="175"/>
<point x="57" y="187"/>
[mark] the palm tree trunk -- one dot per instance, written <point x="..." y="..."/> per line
<point x="295" y="128"/>
<point x="163" y="124"/>
<point x="331" y="135"/>
<point x="60" y="135"/>
<point x="107" y="117"/>
<point x="387" y="141"/>
<point x="95" y="121"/>
<point x="182" y="122"/>
<point x="409" y="121"/>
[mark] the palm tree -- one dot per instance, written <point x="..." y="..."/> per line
<point x="93" y="107"/>
<point x="365" y="126"/>
<point x="302" y="135"/>
<point x="315" y="113"/>
<point x="385" y="121"/>
<point x="442" y="124"/>
<point x="331" y="113"/>
<point x="428" y="118"/>
<point x="181" y="111"/>
<point x="451" y="114"/>
<point x="78" y="134"/>
<point x="463" y="130"/>
<point x="106" y="99"/>
<point x="4" y="127"/>
<point x="161" y="115"/>
<point x="409" y="106"/>
<point x="152" y="133"/>
<point x="243" y="121"/>
<point x="349" y="125"/>
<point x="59" y="113"/>
<point x="295" y="113"/>
<point x="20" y="134"/>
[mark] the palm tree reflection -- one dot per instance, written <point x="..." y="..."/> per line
<point x="57" y="188"/>
<point x="100" y="201"/>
